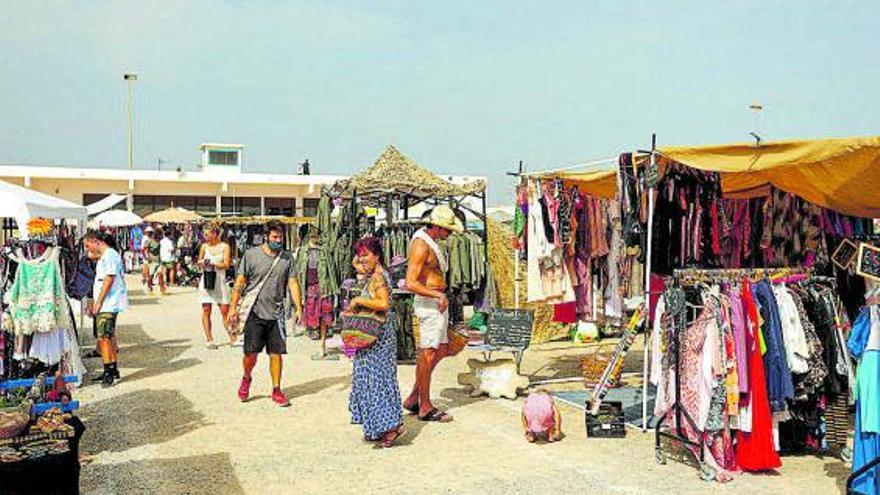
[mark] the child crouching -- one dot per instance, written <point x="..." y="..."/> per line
<point x="541" y="418"/>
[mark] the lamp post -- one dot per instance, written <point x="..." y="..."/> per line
<point x="129" y="79"/>
<point x="756" y="109"/>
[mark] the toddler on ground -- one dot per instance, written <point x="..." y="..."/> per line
<point x="541" y="418"/>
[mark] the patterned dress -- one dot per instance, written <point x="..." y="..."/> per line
<point x="375" y="401"/>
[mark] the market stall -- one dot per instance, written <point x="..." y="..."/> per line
<point x="739" y="244"/>
<point x="39" y="349"/>
<point x="380" y="201"/>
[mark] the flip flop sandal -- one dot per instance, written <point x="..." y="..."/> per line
<point x="436" y="416"/>
<point x="414" y="409"/>
<point x="388" y="443"/>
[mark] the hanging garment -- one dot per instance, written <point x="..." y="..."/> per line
<point x="755" y="450"/>
<point x="797" y="352"/>
<point x="863" y="344"/>
<point x="779" y="383"/>
<point x="37" y="299"/>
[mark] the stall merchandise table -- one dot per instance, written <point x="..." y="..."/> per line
<point x="50" y="474"/>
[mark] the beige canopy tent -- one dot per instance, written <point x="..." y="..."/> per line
<point x="173" y="215"/>
<point x="840" y="174"/>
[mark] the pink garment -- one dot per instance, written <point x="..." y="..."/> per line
<point x="538" y="411"/>
<point x="739" y="337"/>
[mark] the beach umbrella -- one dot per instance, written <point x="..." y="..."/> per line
<point x="116" y="218"/>
<point x="173" y="215"/>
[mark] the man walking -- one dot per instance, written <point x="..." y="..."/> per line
<point x="264" y="276"/>
<point x="167" y="257"/>
<point x="111" y="298"/>
<point x="152" y="265"/>
<point x="426" y="278"/>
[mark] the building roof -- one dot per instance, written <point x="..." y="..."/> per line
<point x="165" y="175"/>
<point x="221" y="145"/>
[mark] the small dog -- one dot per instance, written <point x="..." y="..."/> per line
<point x="541" y="418"/>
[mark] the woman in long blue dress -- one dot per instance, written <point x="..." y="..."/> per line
<point x="375" y="401"/>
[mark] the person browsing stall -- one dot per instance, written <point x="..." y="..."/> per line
<point x="426" y="278"/>
<point x="110" y="299"/>
<point x="266" y="274"/>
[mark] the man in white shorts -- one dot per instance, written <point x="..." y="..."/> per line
<point x="426" y="278"/>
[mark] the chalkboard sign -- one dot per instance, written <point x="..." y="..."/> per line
<point x="845" y="254"/>
<point x="868" y="265"/>
<point x="510" y="327"/>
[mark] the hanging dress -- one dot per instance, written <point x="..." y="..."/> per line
<point x="755" y="449"/>
<point x="864" y="345"/>
<point x="40" y="313"/>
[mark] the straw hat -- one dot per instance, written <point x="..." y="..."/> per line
<point x="443" y="216"/>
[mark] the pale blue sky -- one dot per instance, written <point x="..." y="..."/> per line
<point x="463" y="87"/>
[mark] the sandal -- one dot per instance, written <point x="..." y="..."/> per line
<point x="387" y="443"/>
<point x="413" y="409"/>
<point x="437" y="416"/>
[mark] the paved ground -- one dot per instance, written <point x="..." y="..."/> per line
<point x="174" y="425"/>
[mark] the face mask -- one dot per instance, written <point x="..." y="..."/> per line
<point x="275" y="246"/>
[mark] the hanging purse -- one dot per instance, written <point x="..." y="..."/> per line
<point x="209" y="279"/>
<point x="361" y="329"/>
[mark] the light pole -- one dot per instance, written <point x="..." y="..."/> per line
<point x="756" y="109"/>
<point x="129" y="79"/>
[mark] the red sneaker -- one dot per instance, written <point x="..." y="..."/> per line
<point x="279" y="398"/>
<point x="244" y="390"/>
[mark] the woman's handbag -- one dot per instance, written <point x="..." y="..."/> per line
<point x="360" y="330"/>
<point x="209" y="279"/>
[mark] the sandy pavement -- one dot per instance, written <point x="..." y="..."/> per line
<point x="174" y="425"/>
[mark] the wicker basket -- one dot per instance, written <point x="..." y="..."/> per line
<point x="13" y="421"/>
<point x="594" y="364"/>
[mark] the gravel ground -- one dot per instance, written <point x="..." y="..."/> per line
<point x="173" y="425"/>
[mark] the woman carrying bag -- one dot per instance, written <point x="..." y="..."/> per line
<point x="375" y="400"/>
<point x="215" y="257"/>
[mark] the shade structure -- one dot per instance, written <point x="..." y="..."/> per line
<point x="393" y="172"/>
<point x="105" y="203"/>
<point x="23" y="204"/>
<point x="839" y="174"/>
<point x="116" y="218"/>
<point x="601" y="183"/>
<point x="173" y="215"/>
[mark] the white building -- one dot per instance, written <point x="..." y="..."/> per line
<point x="218" y="187"/>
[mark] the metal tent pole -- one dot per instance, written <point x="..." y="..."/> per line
<point x="647" y="303"/>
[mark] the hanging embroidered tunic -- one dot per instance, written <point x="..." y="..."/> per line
<point x="37" y="300"/>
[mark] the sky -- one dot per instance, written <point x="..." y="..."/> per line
<point x="461" y="87"/>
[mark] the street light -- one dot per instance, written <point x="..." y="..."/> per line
<point x="129" y="79"/>
<point x="756" y="109"/>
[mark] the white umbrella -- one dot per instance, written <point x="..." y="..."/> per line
<point x="116" y="218"/>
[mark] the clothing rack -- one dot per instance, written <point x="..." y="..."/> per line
<point x="872" y="464"/>
<point x="694" y="277"/>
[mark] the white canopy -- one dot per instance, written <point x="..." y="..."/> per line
<point x="116" y="218"/>
<point x="105" y="204"/>
<point x="23" y="204"/>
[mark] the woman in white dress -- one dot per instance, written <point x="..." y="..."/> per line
<point x="214" y="256"/>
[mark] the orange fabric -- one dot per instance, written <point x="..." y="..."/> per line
<point x="840" y="174"/>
